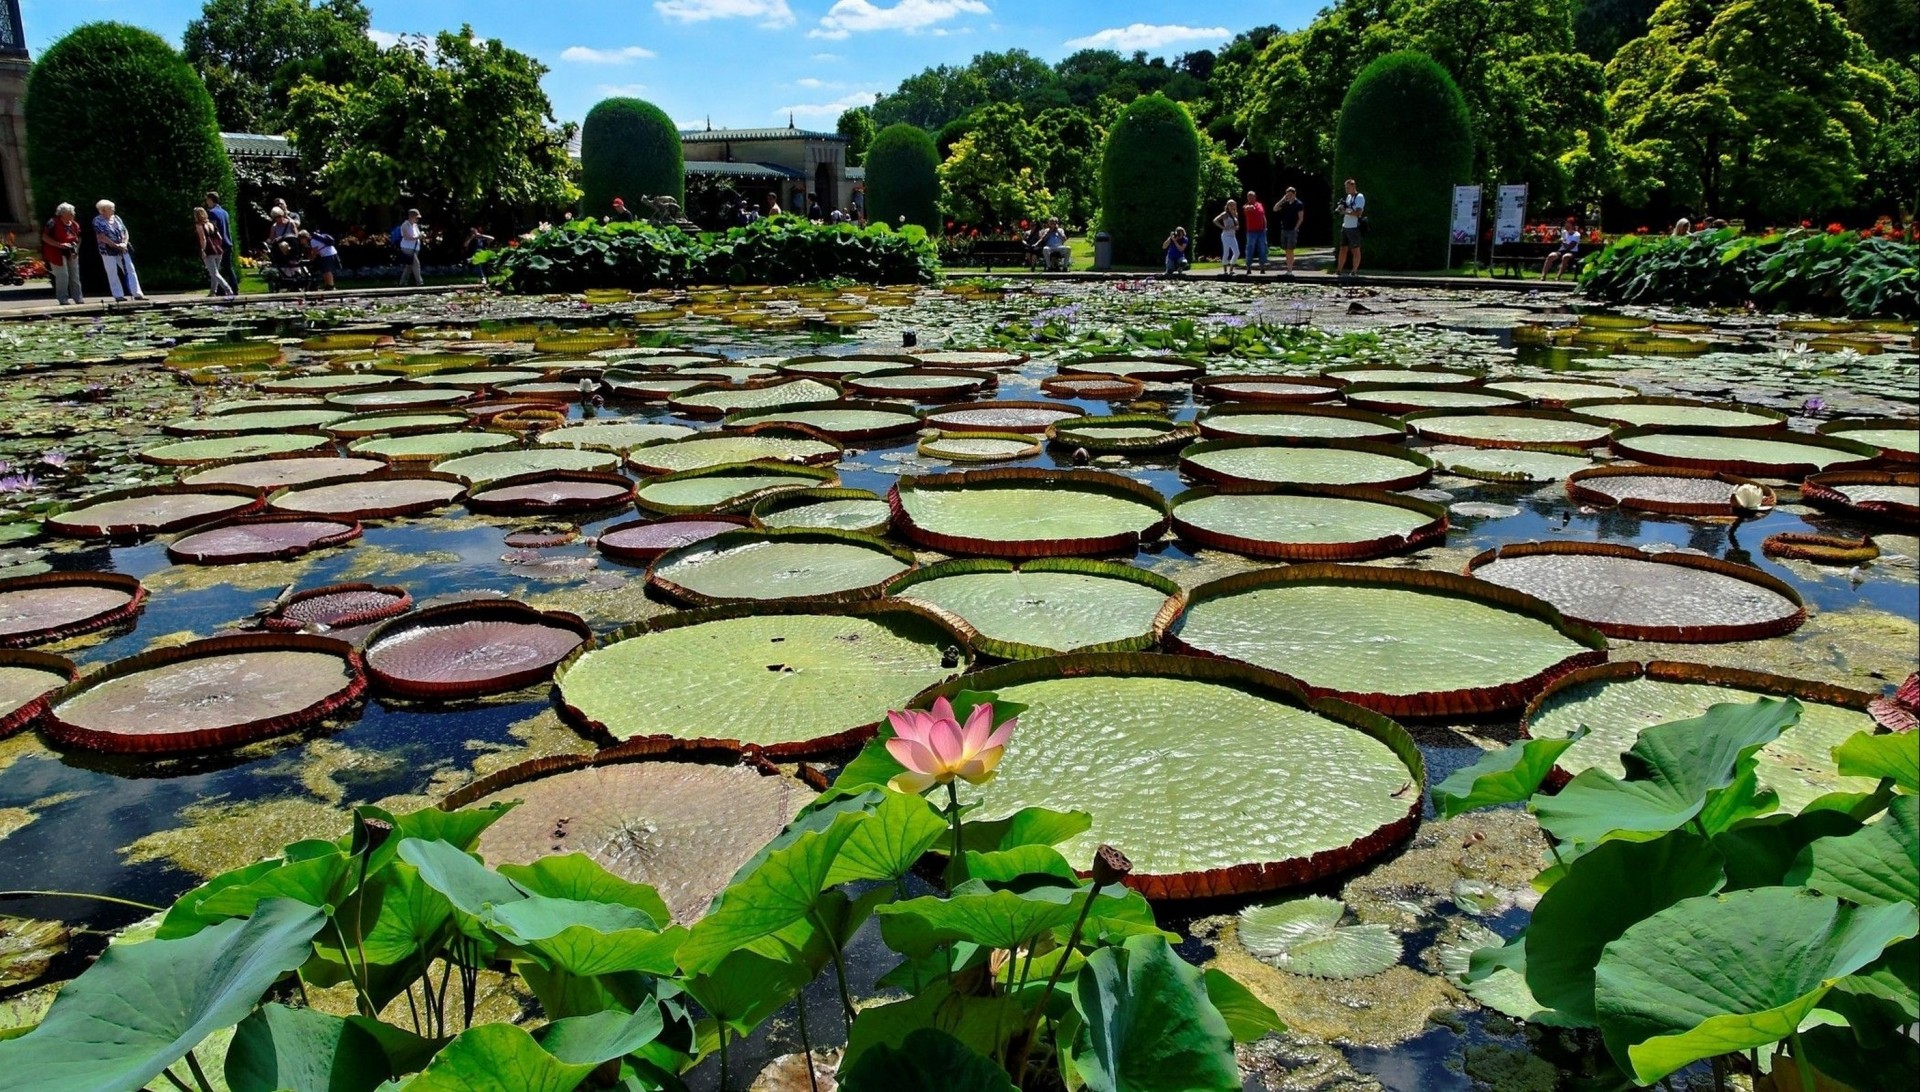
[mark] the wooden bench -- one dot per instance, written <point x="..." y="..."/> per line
<point x="992" y="252"/>
<point x="1511" y="255"/>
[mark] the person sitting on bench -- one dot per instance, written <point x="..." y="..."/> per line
<point x="1053" y="247"/>
<point x="1567" y="257"/>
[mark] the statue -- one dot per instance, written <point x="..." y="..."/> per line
<point x="665" y="212"/>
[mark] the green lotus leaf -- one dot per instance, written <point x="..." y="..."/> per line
<point x="141" y="1007"/>
<point x="926" y="1058"/>
<point x="1501" y="980"/>
<point x="470" y="886"/>
<point x="317" y="881"/>
<point x="1305" y="936"/>
<point x="304" y="1050"/>
<point x="978" y="915"/>
<point x="745" y="987"/>
<point x="603" y="1036"/>
<point x="980" y="1024"/>
<point x="901" y="830"/>
<point x="1725" y="973"/>
<point x="497" y="1058"/>
<point x="1004" y="866"/>
<point x="408" y="916"/>
<point x="1148" y="1024"/>
<point x="1872" y="866"/>
<point x="578" y="876"/>
<point x="1247" y="1017"/>
<point x="782" y="889"/>
<point x="1507" y="776"/>
<point x="1035" y="826"/>
<point x="1893" y="755"/>
<point x="588" y="939"/>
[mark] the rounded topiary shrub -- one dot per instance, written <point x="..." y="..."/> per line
<point x="114" y="112"/>
<point x="902" y="178"/>
<point x="1404" y="137"/>
<point x="629" y="149"/>
<point x="1149" y="178"/>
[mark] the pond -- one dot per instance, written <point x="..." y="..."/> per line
<point x="1491" y="386"/>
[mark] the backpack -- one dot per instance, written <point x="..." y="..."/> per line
<point x="394" y="235"/>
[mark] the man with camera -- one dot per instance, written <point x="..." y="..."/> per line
<point x="60" y="248"/>
<point x="1352" y="211"/>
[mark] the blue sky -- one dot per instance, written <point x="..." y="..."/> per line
<point x="750" y="62"/>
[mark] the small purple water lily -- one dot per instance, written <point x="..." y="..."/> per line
<point x="1813" y="406"/>
<point x="56" y="459"/>
<point x="19" y="483"/>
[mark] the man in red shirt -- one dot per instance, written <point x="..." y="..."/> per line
<point x="60" y="247"/>
<point x="1255" y="215"/>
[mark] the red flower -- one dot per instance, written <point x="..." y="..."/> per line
<point x="1836" y="228"/>
<point x="1866" y="233"/>
<point x="975" y="233"/>
<point x="1640" y="231"/>
<point x="1806" y="223"/>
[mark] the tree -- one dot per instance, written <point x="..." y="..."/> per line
<point x="1893" y="168"/>
<point x="252" y="52"/>
<point x="1601" y="27"/>
<point x="455" y="125"/>
<point x="1070" y="146"/>
<point x="903" y="178"/>
<point x="630" y="149"/>
<point x="1405" y="137"/>
<point x="113" y="112"/>
<point x="1761" y="106"/>
<point x="856" y="124"/>
<point x="996" y="173"/>
<point x="1891" y="27"/>
<point x="931" y="99"/>
<point x="1149" y="177"/>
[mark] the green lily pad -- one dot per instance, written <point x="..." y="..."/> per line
<point x="250" y="446"/>
<point x="150" y="511"/>
<point x="979" y="447"/>
<point x="1032" y="417"/>
<point x="724" y="400"/>
<point x="1305" y="936"/>
<point x="1403" y="399"/>
<point x="834" y="367"/>
<point x="1144" y="368"/>
<point x="1558" y="392"/>
<point x="371" y="498"/>
<point x="271" y="474"/>
<point x="825" y="509"/>
<point x="617" y="435"/>
<point x="1046" y="607"/>
<point x="1677" y="413"/>
<point x="1308" y="524"/>
<point x="1508" y="465"/>
<point x="393" y="424"/>
<point x="1236" y="421"/>
<point x="271" y="421"/>
<point x="427" y="446"/>
<point x="715" y="449"/>
<point x="1896" y="439"/>
<point x="651" y="386"/>
<point x="774" y="565"/>
<point x="324" y="382"/>
<point x="1760" y="456"/>
<point x="1511" y="428"/>
<point x="484" y="377"/>
<point x="726" y="487"/>
<point x="926" y="385"/>
<point x="1329" y="462"/>
<point x="1027" y="513"/>
<point x="1627" y="593"/>
<point x="493" y="466"/>
<point x="1122" y="432"/>
<point x="398" y="397"/>
<point x="846" y="422"/>
<point x="1404" y="377"/>
<point x="23" y="683"/>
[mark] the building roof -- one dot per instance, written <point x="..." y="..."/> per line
<point x="741" y="170"/>
<point x="856" y="174"/>
<point x="260" y="145"/>
<point x="715" y="136"/>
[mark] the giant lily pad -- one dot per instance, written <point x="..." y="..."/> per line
<point x="1242" y="421"/>
<point x="471" y="648"/>
<point x="1035" y="417"/>
<point x="1543" y="430"/>
<point x="1556" y="393"/>
<point x="825" y="509"/>
<point x="248" y="446"/>
<point x="1309" y="523"/>
<point x="1305" y="936"/>
<point x="720" y="400"/>
<point x="1678" y="413"/>
<point x="1147" y="369"/>
<point x="1021" y="512"/>
<point x="979" y="447"/>
<point x="1402" y="377"/>
<point x="1891" y="497"/>
<point x="397" y="397"/>
<point x="338" y="606"/>
<point x="1122" y="432"/>
<point x="1505" y="464"/>
<point x="652" y="386"/>
<point x="269" y="421"/>
<point x="717" y="448"/>
<point x="1408" y="643"/>
<point x="1323" y="462"/>
<point x="1898" y="439"/>
<point x="493" y="466"/>
<point x="1098" y="388"/>
<point x="394" y="423"/>
<point x="783" y="679"/>
<point x="1767" y="455"/>
<point x="151" y="511"/>
<point x="845" y="367"/>
<point x="616" y="435"/>
<point x="1614" y="702"/>
<point x="263" y="537"/>
<point x="324" y="382"/>
<point x="1391" y="399"/>
<point x="1263" y="389"/>
<point x="971" y="358"/>
<point x="271" y="474"/>
<point x="775" y="565"/>
<point x="643" y="540"/>
<point x="553" y="492"/>
<point x="1671" y="491"/>
<point x="484" y="377"/>
<point x="682" y="828"/>
<point x="923" y="385"/>
<point x="1625" y="592"/>
<point x="27" y="680"/>
<point x="57" y="605"/>
<point x="729" y="487"/>
<point x="1219" y="779"/>
<point x="372" y="498"/>
<point x="428" y="447"/>
<point x="218" y="692"/>
<point x="845" y="422"/>
<point x="1048" y="606"/>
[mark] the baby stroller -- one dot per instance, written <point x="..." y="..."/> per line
<point x="10" y="269"/>
<point x="290" y="270"/>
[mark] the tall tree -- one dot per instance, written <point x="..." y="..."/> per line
<point x="996" y="173"/>
<point x="931" y="98"/>
<point x="1891" y="27"/>
<point x="856" y="124"/>
<point x="1071" y="142"/>
<point x="1601" y="27"/>
<point x="250" y="53"/>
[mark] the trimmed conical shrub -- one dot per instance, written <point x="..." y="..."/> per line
<point x="629" y="149"/>
<point x="1404" y="136"/>
<point x="902" y="178"/>
<point x="115" y="112"/>
<point x="1149" y="178"/>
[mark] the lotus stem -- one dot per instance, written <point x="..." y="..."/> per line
<point x="80" y="895"/>
<point x="721" y="1025"/>
<point x="199" y="1075"/>
<point x="839" y="969"/>
<point x="806" y="1042"/>
<point x="1800" y="1061"/>
<point x="359" y="918"/>
<point x="953" y="814"/>
<point x="176" y="1082"/>
<point x="364" y="999"/>
<point x="1018" y="1070"/>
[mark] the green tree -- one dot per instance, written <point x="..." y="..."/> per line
<point x="1601" y="27"/>
<point x="903" y="178"/>
<point x="1070" y="147"/>
<point x="1404" y="136"/>
<point x="1760" y="106"/>
<point x="114" y="112"/>
<point x="455" y="125"/>
<point x="996" y="173"/>
<point x="250" y="53"/>
<point x="1891" y="27"/>
<point x="1893" y="166"/>
<point x="856" y="124"/>
<point x="931" y="98"/>
<point x="628" y="149"/>
<point x="1149" y="177"/>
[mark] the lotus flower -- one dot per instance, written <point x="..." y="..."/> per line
<point x="936" y="748"/>
<point x="1749" y="497"/>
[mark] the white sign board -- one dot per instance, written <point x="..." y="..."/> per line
<point x="1511" y="222"/>
<point x="1466" y="215"/>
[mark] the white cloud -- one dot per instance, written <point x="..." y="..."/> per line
<point x="385" y="39"/>
<point x="813" y="84"/>
<point x="1148" y="36"/>
<point x="588" y="55"/>
<point x="770" y="13"/>
<point x="828" y="58"/>
<point x="858" y="16"/>
<point x="828" y="111"/>
<point x="623" y="90"/>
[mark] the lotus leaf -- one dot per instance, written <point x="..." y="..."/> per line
<point x="1502" y="985"/>
<point x="392" y="424"/>
<point x="1404" y="377"/>
<point x="1047" y="607"/>
<point x="783" y="888"/>
<point x="1895" y="756"/>
<point x="1508" y="776"/>
<point x="1400" y="399"/>
<point x="306" y="1050"/>
<point x="396" y="397"/>
<point x="1149" y="1024"/>
<point x="1871" y="866"/>
<point x="498" y="1058"/>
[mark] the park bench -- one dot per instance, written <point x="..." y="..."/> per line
<point x="1528" y="254"/>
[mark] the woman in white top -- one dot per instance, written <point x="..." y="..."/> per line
<point x="1229" y="224"/>
<point x="410" y="239"/>
<point x="1566" y="255"/>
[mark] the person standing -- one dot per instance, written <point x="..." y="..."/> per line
<point x="1255" y="215"/>
<point x="410" y="239"/>
<point x="224" y="223"/>
<point x="1353" y="219"/>
<point x="1229" y="224"/>
<point x="621" y="213"/>
<point x="115" y="245"/>
<point x="1291" y="212"/>
<point x="60" y="247"/>
<point x="213" y="252"/>
<point x="322" y="252"/>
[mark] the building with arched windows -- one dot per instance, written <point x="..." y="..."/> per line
<point x="796" y="166"/>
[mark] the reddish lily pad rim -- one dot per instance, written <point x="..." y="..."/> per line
<point x="339" y="430"/>
<point x="747" y="536"/>
<point x="1254" y="876"/>
<point x="1626" y="392"/>
<point x="784" y="476"/>
<point x="471" y="610"/>
<point x="1467" y="377"/>
<point x="136" y="598"/>
<point x="1689" y="634"/>
<point x="1821" y="549"/>
<point x="1098" y="388"/>
<point x="801" y="498"/>
<point x="1009" y="359"/>
<point x="1415" y="419"/>
<point x="1372" y="396"/>
<point x="933" y="418"/>
<point x="32" y="711"/>
<point x="1084" y="432"/>
<point x="1289" y="409"/>
<point x="347" y="530"/>
<point x="322" y="445"/>
<point x="645" y="557"/>
<point x="1078" y="566"/>
<point x="646" y="750"/>
<point x="1187" y="367"/>
<point x="1855" y="424"/>
<point x="1426" y="705"/>
<point x="1779" y="420"/>
<point x="278" y="621"/>
<point x="875" y="610"/>
<point x="478" y="500"/>
<point x="75" y="529"/>
<point x="393" y="511"/>
<point x="965" y="381"/>
<point x="1598" y="499"/>
<point x="1312" y="389"/>
<point x="231" y="735"/>
<point x="635" y="457"/>
<point x="1823" y="490"/>
<point x="929" y="445"/>
<point x="1623" y="444"/>
<point x="1431" y="533"/>
<point x="1423" y="465"/>
<point x="676" y="404"/>
<point x="1098" y="481"/>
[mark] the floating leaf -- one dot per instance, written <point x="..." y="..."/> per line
<point x="1305" y="936"/>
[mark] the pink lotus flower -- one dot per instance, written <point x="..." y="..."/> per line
<point x="936" y="748"/>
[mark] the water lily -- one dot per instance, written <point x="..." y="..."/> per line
<point x="56" y="459"/>
<point x="1748" y="497"/>
<point x="1812" y="406"/>
<point x="936" y="748"/>
<point x="27" y="483"/>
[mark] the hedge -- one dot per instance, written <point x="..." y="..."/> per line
<point x="1149" y="178"/>
<point x="114" y="112"/>
<point x="902" y="178"/>
<point x="776" y="250"/>
<point x="1837" y="273"/>
<point x="630" y="149"/>
<point x="1405" y="137"/>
